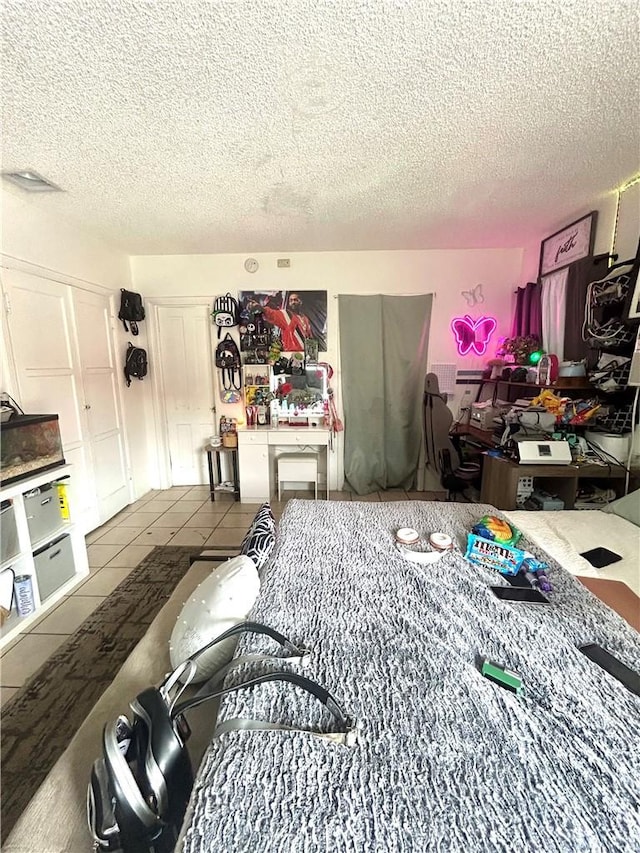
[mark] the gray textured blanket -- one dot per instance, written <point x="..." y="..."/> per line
<point x="446" y="760"/>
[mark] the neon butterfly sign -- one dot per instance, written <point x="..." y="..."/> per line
<point x="473" y="335"/>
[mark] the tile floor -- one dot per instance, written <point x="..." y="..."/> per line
<point x="176" y="516"/>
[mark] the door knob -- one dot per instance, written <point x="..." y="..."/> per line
<point x="87" y="406"/>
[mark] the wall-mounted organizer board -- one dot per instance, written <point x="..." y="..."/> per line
<point x="39" y="541"/>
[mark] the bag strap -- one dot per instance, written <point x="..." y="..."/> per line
<point x="249" y="627"/>
<point x="296" y="653"/>
<point x="124" y="322"/>
<point x="242" y="660"/>
<point x="117" y="766"/>
<point x="229" y="379"/>
<point x="347" y="725"/>
<point x="127" y="375"/>
<point x="101" y="818"/>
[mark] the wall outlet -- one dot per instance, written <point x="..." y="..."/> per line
<point x="284" y="263"/>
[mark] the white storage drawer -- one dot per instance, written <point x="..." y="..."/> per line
<point x="245" y="437"/>
<point x="299" y="438"/>
<point x="9" y="546"/>
<point x="43" y="512"/>
<point x="54" y="566"/>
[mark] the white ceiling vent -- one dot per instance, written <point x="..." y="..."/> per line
<point x="31" y="181"/>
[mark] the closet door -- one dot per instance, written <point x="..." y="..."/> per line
<point x="39" y="318"/>
<point x="101" y="401"/>
<point x="187" y="388"/>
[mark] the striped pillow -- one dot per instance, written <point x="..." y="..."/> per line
<point x="261" y="537"/>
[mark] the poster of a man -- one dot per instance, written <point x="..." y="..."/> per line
<point x="298" y="314"/>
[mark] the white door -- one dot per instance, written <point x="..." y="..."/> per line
<point x="254" y="470"/>
<point x="71" y="372"/>
<point x="39" y="315"/>
<point x="187" y="388"/>
<point x="101" y="401"/>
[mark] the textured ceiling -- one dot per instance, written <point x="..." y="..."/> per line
<point x="267" y="126"/>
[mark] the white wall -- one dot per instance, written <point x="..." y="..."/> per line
<point x="617" y="229"/>
<point x="445" y="273"/>
<point x="628" y="226"/>
<point x="35" y="239"/>
<point x="34" y="233"/>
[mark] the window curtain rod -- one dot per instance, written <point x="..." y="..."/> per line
<point x="598" y="259"/>
<point x="428" y="293"/>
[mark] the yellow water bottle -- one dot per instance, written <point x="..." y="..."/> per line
<point x="63" y="501"/>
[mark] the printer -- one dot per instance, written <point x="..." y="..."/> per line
<point x="483" y="414"/>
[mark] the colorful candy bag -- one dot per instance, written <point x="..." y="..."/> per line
<point x="496" y="530"/>
<point x="507" y="560"/>
<point x="494" y="555"/>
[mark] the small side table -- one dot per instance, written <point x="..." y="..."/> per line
<point x="234" y="467"/>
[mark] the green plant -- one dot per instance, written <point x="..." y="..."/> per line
<point x="520" y="347"/>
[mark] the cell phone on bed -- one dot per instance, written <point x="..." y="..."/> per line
<point x="626" y="676"/>
<point x="517" y="580"/>
<point x="601" y="557"/>
<point x="518" y="593"/>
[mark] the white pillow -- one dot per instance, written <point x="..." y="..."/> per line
<point x="222" y="600"/>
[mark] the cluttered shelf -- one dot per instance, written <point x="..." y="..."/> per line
<point x="585" y="386"/>
<point x="501" y="478"/>
<point x="588" y="466"/>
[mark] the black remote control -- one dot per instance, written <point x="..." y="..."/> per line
<point x="626" y="676"/>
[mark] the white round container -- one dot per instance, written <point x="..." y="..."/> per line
<point x="617" y="446"/>
<point x="407" y="536"/>
<point x="572" y="368"/>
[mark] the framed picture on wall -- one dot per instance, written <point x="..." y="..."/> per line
<point x="570" y="244"/>
<point x="295" y="315"/>
<point x="632" y="306"/>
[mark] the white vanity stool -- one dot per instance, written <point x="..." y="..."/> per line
<point x="298" y="467"/>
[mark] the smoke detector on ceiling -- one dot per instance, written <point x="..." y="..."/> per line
<point x="31" y="181"/>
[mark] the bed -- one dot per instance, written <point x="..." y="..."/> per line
<point x="565" y="535"/>
<point x="446" y="760"/>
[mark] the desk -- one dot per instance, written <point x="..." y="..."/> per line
<point x="234" y="467"/>
<point x="484" y="437"/>
<point x="258" y="448"/>
<point x="500" y="479"/>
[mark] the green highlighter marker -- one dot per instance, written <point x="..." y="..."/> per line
<point x="504" y="677"/>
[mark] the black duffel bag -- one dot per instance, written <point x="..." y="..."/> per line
<point x="140" y="787"/>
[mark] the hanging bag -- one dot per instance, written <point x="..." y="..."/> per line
<point x="131" y="310"/>
<point x="228" y="361"/>
<point x="140" y="787"/>
<point x="135" y="363"/>
<point x="225" y="313"/>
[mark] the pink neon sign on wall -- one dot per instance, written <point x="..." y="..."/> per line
<point x="473" y="335"/>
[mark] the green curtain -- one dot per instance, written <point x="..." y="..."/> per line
<point x="383" y="358"/>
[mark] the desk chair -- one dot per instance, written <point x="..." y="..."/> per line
<point x="457" y="481"/>
<point x="297" y="467"/>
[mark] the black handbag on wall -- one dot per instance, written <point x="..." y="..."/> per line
<point x="131" y="310"/>
<point x="135" y="363"/>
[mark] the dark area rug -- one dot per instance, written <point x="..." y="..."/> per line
<point x="39" y="721"/>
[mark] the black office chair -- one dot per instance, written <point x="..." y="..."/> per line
<point x="457" y="481"/>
